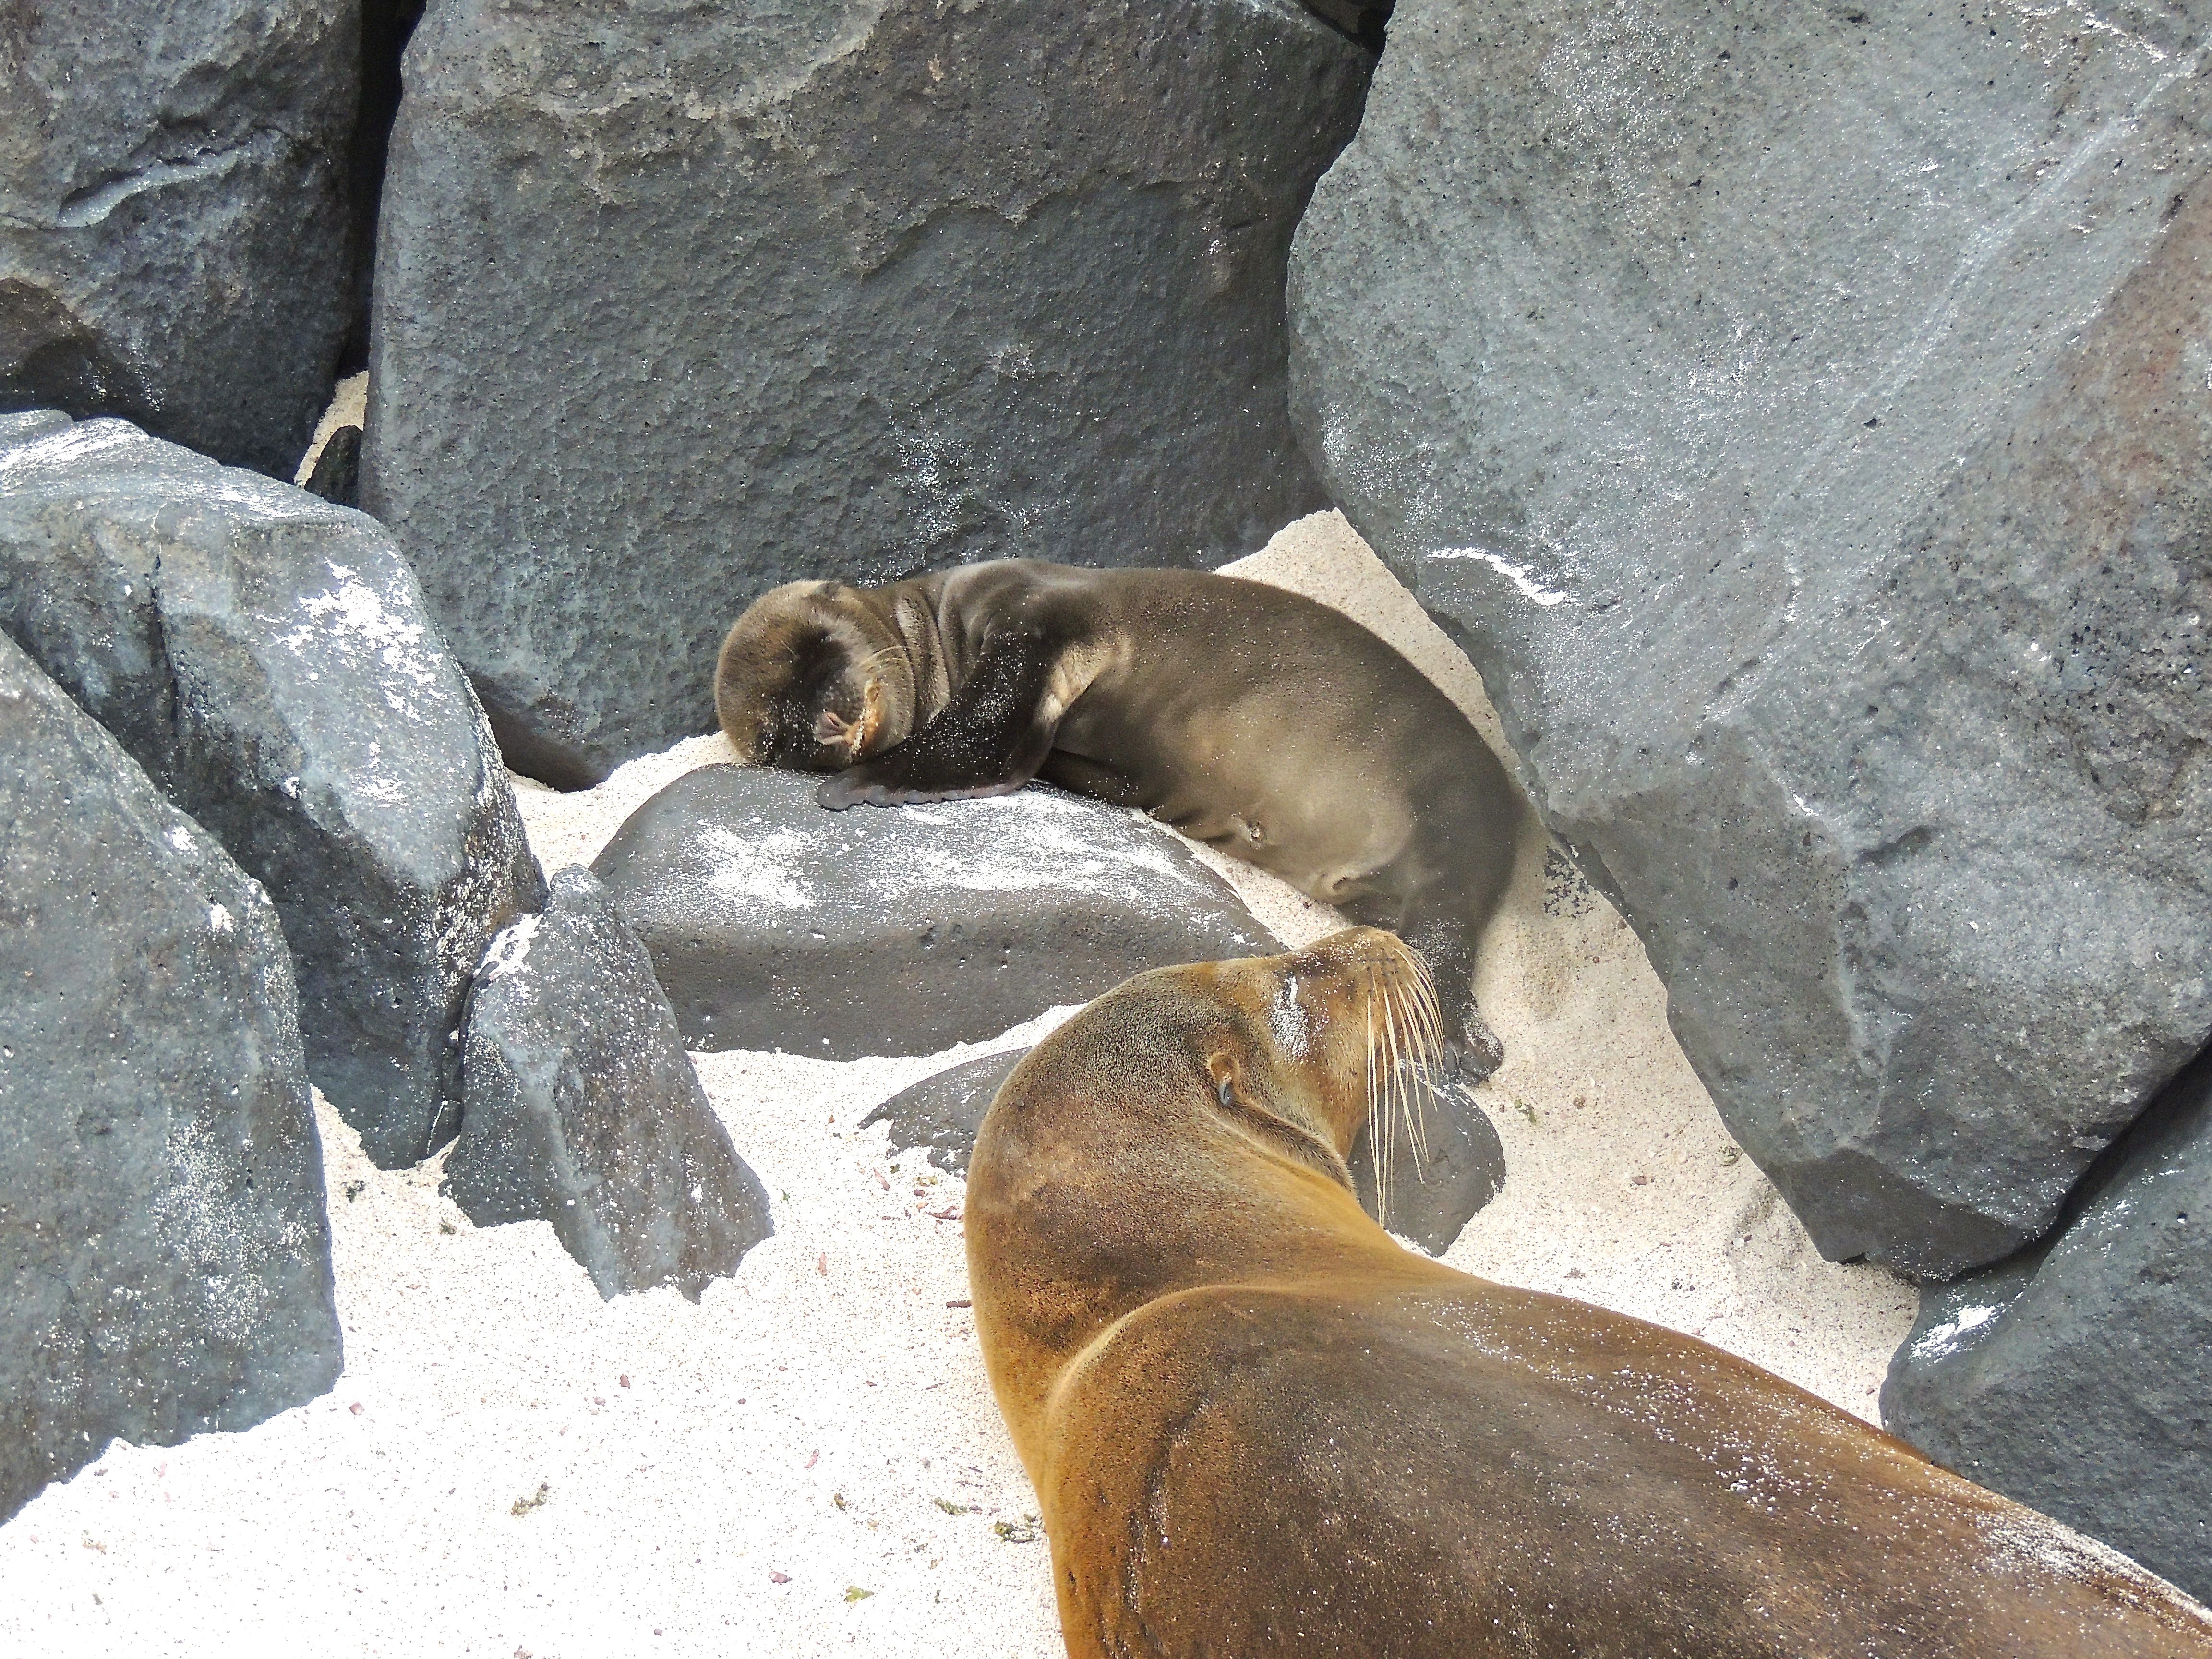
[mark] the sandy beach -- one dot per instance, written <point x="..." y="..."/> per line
<point x="809" y="1460"/>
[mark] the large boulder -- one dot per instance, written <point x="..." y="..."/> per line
<point x="583" y="1109"/>
<point x="165" y="1258"/>
<point x="861" y="288"/>
<point x="266" y="656"/>
<point x="2074" y="1376"/>
<point x="176" y="242"/>
<point x="1437" y="1181"/>
<point x="1805" y="427"/>
<point x="775" y="924"/>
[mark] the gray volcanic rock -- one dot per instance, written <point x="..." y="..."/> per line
<point x="1439" y="1179"/>
<point x="337" y="475"/>
<point x="1802" y="427"/>
<point x="1364" y="21"/>
<point x="2074" y="1376"/>
<point x="944" y="1111"/>
<point x="583" y="1109"/>
<point x="1460" y="1166"/>
<point x="862" y="289"/>
<point x="165" y="1258"/>
<point x="175" y="234"/>
<point x="775" y="924"/>
<point x="264" y="656"/>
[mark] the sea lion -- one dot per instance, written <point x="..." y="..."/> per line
<point x="1248" y="717"/>
<point x="1259" y="1426"/>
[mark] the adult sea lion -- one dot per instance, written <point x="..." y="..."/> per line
<point x="1258" y="1426"/>
<point x="1249" y="718"/>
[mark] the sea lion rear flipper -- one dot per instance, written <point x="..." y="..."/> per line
<point x="989" y="740"/>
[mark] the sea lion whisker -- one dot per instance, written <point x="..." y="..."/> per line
<point x="1428" y="1045"/>
<point x="1386" y="1156"/>
<point x="1402" y="1041"/>
<point x="1377" y="1149"/>
<point x="1411" y="1079"/>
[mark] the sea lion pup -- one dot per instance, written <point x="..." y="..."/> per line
<point x="1248" y="717"/>
<point x="1258" y="1426"/>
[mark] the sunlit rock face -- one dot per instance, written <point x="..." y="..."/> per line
<point x="165" y="1256"/>
<point x="266" y="656"/>
<point x="1805" y="424"/>
<point x="674" y="303"/>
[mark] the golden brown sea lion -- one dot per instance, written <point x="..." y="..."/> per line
<point x="1259" y="1428"/>
<point x="1248" y="717"/>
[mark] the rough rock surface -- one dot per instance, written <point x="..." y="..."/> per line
<point x="264" y="656"/>
<point x="1460" y="1168"/>
<point x="337" y="475"/>
<point x="2073" y="1376"/>
<point x="944" y="1112"/>
<point x="1439" y="1182"/>
<point x="859" y="289"/>
<point x="582" y="1108"/>
<point x="175" y="236"/>
<point x="164" y="1259"/>
<point x="1803" y="427"/>
<point x="775" y="924"/>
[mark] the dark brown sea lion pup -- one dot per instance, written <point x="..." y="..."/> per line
<point x="1259" y="1428"/>
<point x="1247" y="717"/>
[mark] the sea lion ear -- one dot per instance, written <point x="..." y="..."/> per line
<point x="1221" y="1066"/>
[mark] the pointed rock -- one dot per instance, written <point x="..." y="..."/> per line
<point x="165" y="1254"/>
<point x="583" y="1109"/>
<point x="266" y="656"/>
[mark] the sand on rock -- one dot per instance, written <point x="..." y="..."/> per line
<point x="810" y="1461"/>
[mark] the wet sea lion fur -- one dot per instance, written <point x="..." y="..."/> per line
<point x="1258" y="1426"/>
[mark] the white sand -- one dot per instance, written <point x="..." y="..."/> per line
<point x="481" y="1367"/>
<point x="348" y="406"/>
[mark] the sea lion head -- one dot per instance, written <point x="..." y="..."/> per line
<point x="1299" y="1052"/>
<point x="814" y="678"/>
<point x="1193" y="1122"/>
<point x="1331" y="1040"/>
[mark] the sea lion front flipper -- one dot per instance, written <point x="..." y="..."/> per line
<point x="989" y="740"/>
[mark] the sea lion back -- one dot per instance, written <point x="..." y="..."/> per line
<point x="1421" y="1472"/>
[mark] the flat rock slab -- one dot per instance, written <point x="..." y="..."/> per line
<point x="944" y="1111"/>
<point x="856" y="287"/>
<point x="775" y="924"/>
<point x="2074" y="1376"/>
<point x="266" y="656"/>
<point x="176" y="232"/>
<point x="1460" y="1167"/>
<point x="1797" y="424"/>
<point x="583" y="1109"/>
<point x="165" y="1255"/>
